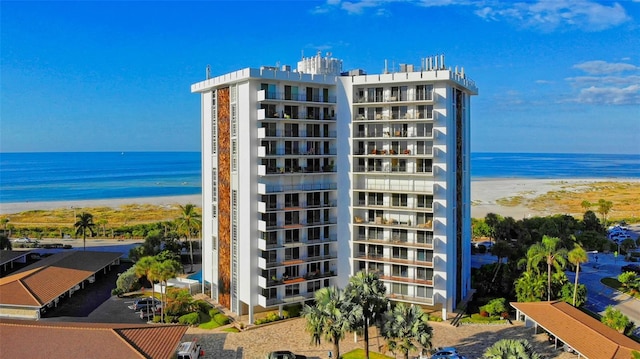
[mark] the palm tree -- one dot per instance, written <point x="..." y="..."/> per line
<point x="4" y="221"/>
<point x="162" y="272"/>
<point x="143" y="268"/>
<point x="366" y="291"/>
<point x="501" y="250"/>
<point x="84" y="224"/>
<point x="512" y="349"/>
<point x="576" y="256"/>
<point x="404" y="327"/>
<point x="103" y="224"/>
<point x="189" y="221"/>
<point x="603" y="208"/>
<point x="613" y="318"/>
<point x="328" y="318"/>
<point x="548" y="252"/>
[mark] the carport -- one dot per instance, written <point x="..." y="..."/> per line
<point x="30" y="291"/>
<point x="587" y="336"/>
<point x="9" y="258"/>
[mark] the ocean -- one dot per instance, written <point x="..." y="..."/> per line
<point x="35" y="177"/>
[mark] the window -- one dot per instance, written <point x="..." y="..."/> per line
<point x="399" y="200"/>
<point x="270" y="293"/>
<point x="313" y="286"/>
<point x="313" y="234"/>
<point x="271" y="219"/>
<point x="291" y="130"/>
<point x="376" y="199"/>
<point x="293" y="289"/>
<point x="270" y="129"/>
<point x="376" y="233"/>
<point x="423" y="237"/>
<point x="313" y="217"/>
<point x="400" y="271"/>
<point x="424" y="165"/>
<point x="291" y="272"/>
<point x="424" y="92"/>
<point x="270" y="237"/>
<point x="291" y="200"/>
<point x="313" y="251"/>
<point x="291" y="112"/>
<point x="400" y="253"/>
<point x="424" y="201"/>
<point x="424" y="273"/>
<point x="270" y="110"/>
<point x="424" y="292"/>
<point x="400" y="289"/>
<point x="291" y="218"/>
<point x="292" y="236"/>
<point x="399" y="235"/>
<point x="313" y="199"/>
<point x="291" y="254"/>
<point x="270" y="201"/>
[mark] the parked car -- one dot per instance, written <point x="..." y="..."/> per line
<point x="486" y="244"/>
<point x="22" y="240"/>
<point x="142" y="303"/>
<point x="149" y="312"/>
<point x="446" y="353"/>
<point x="631" y="268"/>
<point x="189" y="350"/>
<point x="284" y="354"/>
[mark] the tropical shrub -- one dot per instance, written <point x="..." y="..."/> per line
<point x="221" y="319"/>
<point x="495" y="307"/>
<point x="190" y="319"/>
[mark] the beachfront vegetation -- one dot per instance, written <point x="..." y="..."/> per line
<point x="83" y="225"/>
<point x="190" y="221"/>
<point x="123" y="222"/>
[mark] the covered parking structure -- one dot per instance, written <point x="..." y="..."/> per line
<point x="587" y="336"/>
<point x="9" y="259"/>
<point x="26" y="339"/>
<point x="29" y="292"/>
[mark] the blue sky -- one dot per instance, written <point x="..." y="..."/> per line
<point x="554" y="76"/>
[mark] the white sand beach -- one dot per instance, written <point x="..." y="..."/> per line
<point x="485" y="194"/>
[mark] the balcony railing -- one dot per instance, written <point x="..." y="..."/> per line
<point x="307" y="187"/>
<point x="409" y="97"/>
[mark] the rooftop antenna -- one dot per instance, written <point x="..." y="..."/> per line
<point x="208" y="72"/>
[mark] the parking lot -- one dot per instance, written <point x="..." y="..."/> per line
<point x="95" y="303"/>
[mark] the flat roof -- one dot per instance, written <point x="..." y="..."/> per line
<point x="30" y="339"/>
<point x="9" y="256"/>
<point x="40" y="283"/>
<point x="585" y="334"/>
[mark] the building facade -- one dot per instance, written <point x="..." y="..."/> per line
<point x="311" y="175"/>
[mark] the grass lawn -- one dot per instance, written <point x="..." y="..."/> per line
<point x="359" y="353"/>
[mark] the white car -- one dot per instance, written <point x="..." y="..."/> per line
<point x="22" y="240"/>
<point x="487" y="244"/>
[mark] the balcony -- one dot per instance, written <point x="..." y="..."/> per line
<point x="264" y="95"/>
<point x="305" y="187"/>
<point x="395" y="243"/>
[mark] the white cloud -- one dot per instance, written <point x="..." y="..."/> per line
<point x="629" y="95"/>
<point x="599" y="67"/>
<point x="607" y="84"/>
<point x="548" y="15"/>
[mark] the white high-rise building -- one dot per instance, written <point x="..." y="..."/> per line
<point x="311" y="175"/>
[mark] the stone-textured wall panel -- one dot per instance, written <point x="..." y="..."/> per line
<point x="224" y="198"/>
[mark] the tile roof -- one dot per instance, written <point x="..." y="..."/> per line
<point x="582" y="332"/>
<point x="27" y="339"/>
<point x="42" y="282"/>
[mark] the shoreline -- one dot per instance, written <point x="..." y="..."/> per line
<point x="485" y="194"/>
